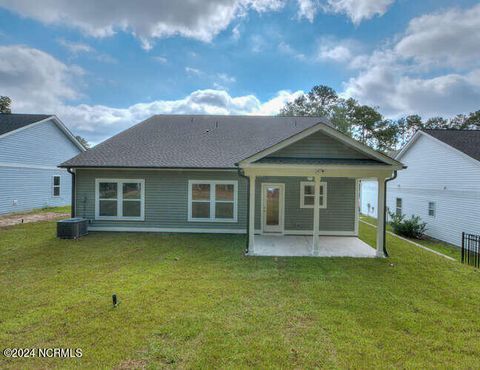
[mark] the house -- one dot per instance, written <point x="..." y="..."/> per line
<point x="441" y="183"/>
<point x="31" y="147"/>
<point x="290" y="183"/>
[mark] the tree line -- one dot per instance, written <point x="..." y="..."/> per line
<point x="365" y="123"/>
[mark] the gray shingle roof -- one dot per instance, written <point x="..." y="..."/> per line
<point x="14" y="121"/>
<point x="467" y="141"/>
<point x="192" y="141"/>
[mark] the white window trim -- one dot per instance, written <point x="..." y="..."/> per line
<point x="59" y="186"/>
<point x="120" y="183"/>
<point x="302" y="194"/>
<point x="212" y="200"/>
<point x="434" y="209"/>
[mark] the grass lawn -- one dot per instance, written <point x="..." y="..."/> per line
<point x="196" y="301"/>
<point x="437" y="245"/>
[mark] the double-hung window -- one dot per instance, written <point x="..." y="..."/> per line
<point x="212" y="201"/>
<point x="56" y="186"/>
<point x="307" y="194"/>
<point x="119" y="199"/>
<point x="398" y="208"/>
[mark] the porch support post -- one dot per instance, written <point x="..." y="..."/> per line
<point x="251" y="217"/>
<point x="316" y="217"/>
<point x="381" y="217"/>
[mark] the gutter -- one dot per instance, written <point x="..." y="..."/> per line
<point x="385" y="213"/>
<point x="240" y="173"/>
<point x="69" y="170"/>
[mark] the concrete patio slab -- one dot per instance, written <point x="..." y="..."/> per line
<point x="297" y="246"/>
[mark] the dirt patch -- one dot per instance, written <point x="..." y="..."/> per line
<point x="31" y="217"/>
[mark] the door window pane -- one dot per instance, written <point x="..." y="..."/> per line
<point x="108" y="190"/>
<point x="108" y="208"/>
<point x="201" y="191"/>
<point x="273" y="206"/>
<point x="224" y="210"/>
<point x="131" y="190"/>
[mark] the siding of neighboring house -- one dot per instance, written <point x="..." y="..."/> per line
<point x="338" y="217"/>
<point x="28" y="162"/>
<point x="438" y="173"/>
<point x="318" y="145"/>
<point x="368" y="197"/>
<point x="166" y="198"/>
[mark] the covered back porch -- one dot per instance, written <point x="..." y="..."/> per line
<point x="311" y="210"/>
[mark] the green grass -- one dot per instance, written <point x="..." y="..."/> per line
<point x="194" y="301"/>
<point x="437" y="245"/>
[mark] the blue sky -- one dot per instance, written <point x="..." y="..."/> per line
<point x="103" y="67"/>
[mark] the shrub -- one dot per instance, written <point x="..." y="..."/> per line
<point x="410" y="228"/>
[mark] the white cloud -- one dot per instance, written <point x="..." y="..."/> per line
<point x="308" y="9"/>
<point x="76" y="47"/>
<point x="358" y="10"/>
<point x="98" y="122"/>
<point x="35" y="80"/>
<point x="193" y="71"/>
<point x="146" y="19"/>
<point x="160" y="59"/>
<point x="450" y="38"/>
<point x="286" y="49"/>
<point x="390" y="80"/>
<point x="39" y="83"/>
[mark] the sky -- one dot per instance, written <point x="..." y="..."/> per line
<point x="102" y="66"/>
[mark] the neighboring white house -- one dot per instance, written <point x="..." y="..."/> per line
<point x="441" y="183"/>
<point x="368" y="197"/>
<point x="31" y="148"/>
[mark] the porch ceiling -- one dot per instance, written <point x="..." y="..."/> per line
<point x="329" y="246"/>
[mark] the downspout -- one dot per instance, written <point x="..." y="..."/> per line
<point x="69" y="170"/>
<point x="240" y="173"/>
<point x="385" y="213"/>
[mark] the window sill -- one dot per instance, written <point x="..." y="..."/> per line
<point x="217" y="220"/>
<point x="106" y="218"/>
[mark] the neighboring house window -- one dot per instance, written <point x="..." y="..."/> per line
<point x="120" y="199"/>
<point x="56" y="186"/>
<point x="214" y="201"/>
<point x="431" y="209"/>
<point x="307" y="194"/>
<point x="398" y="209"/>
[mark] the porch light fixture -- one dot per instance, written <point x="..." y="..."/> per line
<point x="310" y="178"/>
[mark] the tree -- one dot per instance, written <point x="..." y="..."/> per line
<point x="5" y="103"/>
<point x="83" y="141"/>
<point x="361" y="122"/>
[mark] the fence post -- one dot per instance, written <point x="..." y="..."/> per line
<point x="463" y="247"/>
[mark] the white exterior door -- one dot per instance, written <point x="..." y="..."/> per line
<point x="273" y="208"/>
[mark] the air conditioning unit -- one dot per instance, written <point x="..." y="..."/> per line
<point x="72" y="228"/>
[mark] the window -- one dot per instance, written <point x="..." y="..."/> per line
<point x="214" y="201"/>
<point x="119" y="199"/>
<point x="398" y="206"/>
<point x="307" y="194"/>
<point x="431" y="209"/>
<point x="56" y="186"/>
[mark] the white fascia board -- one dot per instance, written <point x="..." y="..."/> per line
<point x="67" y="132"/>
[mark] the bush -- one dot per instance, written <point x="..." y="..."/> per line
<point x="410" y="228"/>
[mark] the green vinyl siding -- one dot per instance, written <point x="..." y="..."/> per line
<point x="166" y="197"/>
<point x="338" y="216"/>
<point x="319" y="145"/>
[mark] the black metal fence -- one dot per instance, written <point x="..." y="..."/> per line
<point x="471" y="249"/>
